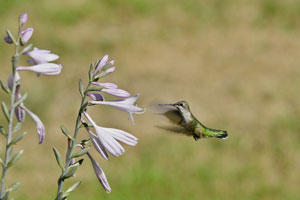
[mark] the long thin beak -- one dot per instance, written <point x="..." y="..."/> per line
<point x="166" y="104"/>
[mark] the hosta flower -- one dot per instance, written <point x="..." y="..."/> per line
<point x="46" y="68"/>
<point x="39" y="56"/>
<point x="126" y="105"/>
<point x="100" y="174"/>
<point x="26" y="34"/>
<point x="112" y="89"/>
<point x="39" y="125"/>
<point x="107" y="138"/>
<point x="23" y="18"/>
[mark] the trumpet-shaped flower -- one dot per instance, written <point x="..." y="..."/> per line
<point x="126" y="105"/>
<point x="106" y="139"/>
<point x="112" y="89"/>
<point x="26" y="34"/>
<point x="39" y="125"/>
<point x="39" y="56"/>
<point x="100" y="174"/>
<point x="45" y="68"/>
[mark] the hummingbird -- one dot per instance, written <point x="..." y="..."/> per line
<point x="180" y="114"/>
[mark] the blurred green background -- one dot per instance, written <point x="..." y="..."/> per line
<point x="236" y="63"/>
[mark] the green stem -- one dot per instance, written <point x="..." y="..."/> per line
<point x="73" y="143"/>
<point x="15" y="60"/>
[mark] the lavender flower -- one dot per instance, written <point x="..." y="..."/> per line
<point x="23" y="18"/>
<point x="26" y="34"/>
<point x="126" y="105"/>
<point x="39" y="125"/>
<point x="45" y="68"/>
<point x="112" y="89"/>
<point x="39" y="56"/>
<point x="100" y="174"/>
<point x="107" y="138"/>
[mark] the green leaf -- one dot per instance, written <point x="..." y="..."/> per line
<point x="2" y="130"/>
<point x="17" y="139"/>
<point x="95" y="88"/>
<point x="5" y="87"/>
<point x="70" y="171"/>
<point x="26" y="49"/>
<point x="22" y="99"/>
<point x="17" y="127"/>
<point x="81" y="88"/>
<point x="91" y="72"/>
<point x="5" y="111"/>
<point x="71" y="189"/>
<point x="10" y="35"/>
<point x="65" y="132"/>
<point x="81" y="152"/>
<point x="15" y="158"/>
<point x="58" y="157"/>
<point x="13" y="187"/>
<point x="102" y="75"/>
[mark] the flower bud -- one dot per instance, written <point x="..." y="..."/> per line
<point x="26" y="35"/>
<point x="23" y="18"/>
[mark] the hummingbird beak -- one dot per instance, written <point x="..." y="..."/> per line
<point x="166" y="104"/>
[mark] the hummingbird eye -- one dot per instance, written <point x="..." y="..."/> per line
<point x="181" y="104"/>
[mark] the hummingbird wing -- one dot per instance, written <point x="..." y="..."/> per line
<point x="171" y="113"/>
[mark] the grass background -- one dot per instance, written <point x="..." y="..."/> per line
<point x="235" y="62"/>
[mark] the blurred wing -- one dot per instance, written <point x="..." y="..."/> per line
<point x="171" y="113"/>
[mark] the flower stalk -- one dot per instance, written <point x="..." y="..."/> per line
<point x="72" y="145"/>
<point x="8" y="149"/>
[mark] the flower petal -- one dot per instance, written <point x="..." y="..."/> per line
<point x="101" y="64"/>
<point x="110" y="144"/>
<point x="116" y="92"/>
<point x="106" y="85"/>
<point x="46" y="68"/>
<point x="26" y="34"/>
<point x="100" y="174"/>
<point x="7" y="39"/>
<point x="122" y="136"/>
<point x="96" y="96"/>
<point x="39" y="56"/>
<point x="39" y="125"/>
<point x="23" y="18"/>
<point x="97" y="144"/>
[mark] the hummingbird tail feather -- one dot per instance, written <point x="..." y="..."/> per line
<point x="223" y="135"/>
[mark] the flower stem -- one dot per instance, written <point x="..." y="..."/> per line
<point x="8" y="149"/>
<point x="73" y="143"/>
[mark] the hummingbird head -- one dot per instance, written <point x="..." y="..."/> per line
<point x="182" y="106"/>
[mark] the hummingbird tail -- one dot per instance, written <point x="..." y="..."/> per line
<point x="222" y="135"/>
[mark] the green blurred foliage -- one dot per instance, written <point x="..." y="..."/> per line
<point x="235" y="61"/>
